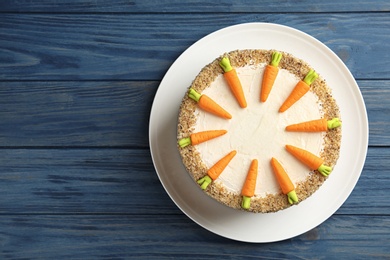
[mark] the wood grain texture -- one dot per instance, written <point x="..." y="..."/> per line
<point x="75" y="113"/>
<point x="378" y="114"/>
<point x="142" y="47"/>
<point x="77" y="81"/>
<point x="191" y="6"/>
<point x="81" y="181"/>
<point x="121" y="181"/>
<point x="175" y="236"/>
<point x="116" y="113"/>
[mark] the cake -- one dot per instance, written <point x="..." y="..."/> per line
<point x="251" y="157"/>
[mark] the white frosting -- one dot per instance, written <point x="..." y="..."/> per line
<point x="258" y="131"/>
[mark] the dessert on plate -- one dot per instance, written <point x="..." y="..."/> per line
<point x="259" y="130"/>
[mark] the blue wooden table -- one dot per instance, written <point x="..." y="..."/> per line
<point x="77" y="82"/>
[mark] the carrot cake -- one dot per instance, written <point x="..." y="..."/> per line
<point x="259" y="130"/>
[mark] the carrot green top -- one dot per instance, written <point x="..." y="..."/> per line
<point x="276" y="57"/>
<point x="310" y="77"/>
<point x="333" y="123"/>
<point x="225" y="64"/>
<point x="194" y="95"/>
<point x="204" y="182"/>
<point x="184" y="142"/>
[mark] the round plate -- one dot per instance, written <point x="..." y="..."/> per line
<point x="241" y="225"/>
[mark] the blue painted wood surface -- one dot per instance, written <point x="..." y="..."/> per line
<point x="77" y="81"/>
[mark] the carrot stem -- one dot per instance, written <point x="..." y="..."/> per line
<point x="334" y="123"/>
<point x="225" y="64"/>
<point x="292" y="197"/>
<point x="310" y="77"/>
<point x="194" y="95"/>
<point x="324" y="170"/>
<point x="204" y="182"/>
<point x="184" y="142"/>
<point x="246" y="202"/>
<point x="276" y="57"/>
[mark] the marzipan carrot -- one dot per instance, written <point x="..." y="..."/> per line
<point x="216" y="170"/>
<point x="209" y="105"/>
<point x="310" y="160"/>
<point x="300" y="89"/>
<point x="233" y="81"/>
<point x="318" y="125"/>
<point x="248" y="190"/>
<point x="284" y="181"/>
<point x="200" y="137"/>
<point x="269" y="76"/>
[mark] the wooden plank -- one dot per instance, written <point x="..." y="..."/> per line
<point x="142" y="47"/>
<point x="75" y="113"/>
<point x="81" y="181"/>
<point x="191" y="6"/>
<point x="115" y="113"/>
<point x="176" y="236"/>
<point x="370" y="191"/>
<point x="121" y="181"/>
<point x="378" y="114"/>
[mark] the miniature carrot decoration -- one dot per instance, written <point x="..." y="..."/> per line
<point x="248" y="190"/>
<point x="284" y="181"/>
<point x="269" y="77"/>
<point x="209" y="105"/>
<point x="300" y="89"/>
<point x="233" y="81"/>
<point x="312" y="161"/>
<point x="318" y="125"/>
<point x="216" y="170"/>
<point x="200" y="137"/>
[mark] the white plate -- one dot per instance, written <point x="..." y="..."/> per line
<point x="240" y="225"/>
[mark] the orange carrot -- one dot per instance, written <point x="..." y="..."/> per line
<point x="250" y="182"/>
<point x="209" y="105"/>
<point x="306" y="157"/>
<point x="318" y="125"/>
<point x="248" y="190"/>
<point x="310" y="160"/>
<point x="300" y="89"/>
<point x="281" y="176"/>
<point x="284" y="181"/>
<point x="200" y="137"/>
<point x="233" y="81"/>
<point x="269" y="77"/>
<point x="216" y="170"/>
